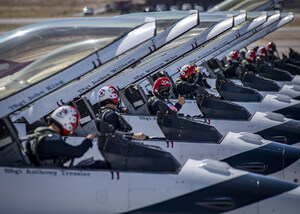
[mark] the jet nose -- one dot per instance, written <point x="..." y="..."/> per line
<point x="291" y="154"/>
<point x="291" y="111"/>
<point x="268" y="159"/>
<point x="287" y="132"/>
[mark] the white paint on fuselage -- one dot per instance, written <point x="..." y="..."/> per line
<point x="37" y="190"/>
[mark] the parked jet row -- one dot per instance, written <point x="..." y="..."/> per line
<point x="273" y="115"/>
<point x="274" y="106"/>
<point x="267" y="126"/>
<point x="143" y="177"/>
<point x="262" y="120"/>
<point x="292" y="141"/>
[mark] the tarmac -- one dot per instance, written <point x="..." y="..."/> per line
<point x="285" y="37"/>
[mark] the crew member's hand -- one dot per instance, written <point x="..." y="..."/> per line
<point x="92" y="135"/>
<point x="198" y="69"/>
<point x="180" y="100"/>
<point x="139" y="136"/>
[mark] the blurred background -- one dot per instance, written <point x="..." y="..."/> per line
<point x="38" y="10"/>
<point x="17" y="13"/>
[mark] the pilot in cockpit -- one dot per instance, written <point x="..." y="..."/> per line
<point x="162" y="90"/>
<point x="233" y="60"/>
<point x="49" y="148"/>
<point x="108" y="98"/>
<point x="190" y="79"/>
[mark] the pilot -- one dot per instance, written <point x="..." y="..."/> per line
<point x="261" y="52"/>
<point x="271" y="48"/>
<point x="108" y="98"/>
<point x="249" y="61"/>
<point x="233" y="63"/>
<point x="49" y="148"/>
<point x="189" y="81"/>
<point x="261" y="61"/>
<point x="272" y="53"/>
<point x="162" y="90"/>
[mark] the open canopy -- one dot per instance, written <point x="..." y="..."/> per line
<point x="248" y="5"/>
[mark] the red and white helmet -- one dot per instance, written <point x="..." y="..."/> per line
<point x="235" y="55"/>
<point x="250" y="55"/>
<point x="271" y="47"/>
<point x="68" y="117"/>
<point x="108" y="93"/>
<point x="187" y="71"/>
<point x="162" y="82"/>
<point x="261" y="52"/>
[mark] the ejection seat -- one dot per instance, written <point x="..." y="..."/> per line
<point x="232" y="92"/>
<point x="260" y="83"/>
<point x="285" y="65"/>
<point x="11" y="152"/>
<point x="226" y="88"/>
<point x="294" y="55"/>
<point x="214" y="108"/>
<point x="135" y="100"/>
<point x="87" y="116"/>
<point x="184" y="129"/>
<point x="124" y="154"/>
<point x="273" y="73"/>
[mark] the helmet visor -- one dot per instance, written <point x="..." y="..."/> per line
<point x="164" y="88"/>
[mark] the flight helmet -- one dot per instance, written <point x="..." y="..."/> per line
<point x="234" y="55"/>
<point x="187" y="72"/>
<point x="261" y="52"/>
<point x="66" y="118"/>
<point x="271" y="47"/>
<point x="108" y="94"/>
<point x="250" y="55"/>
<point x="162" y="87"/>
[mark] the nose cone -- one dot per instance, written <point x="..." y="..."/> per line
<point x="291" y="155"/>
<point x="287" y="133"/>
<point x="267" y="159"/>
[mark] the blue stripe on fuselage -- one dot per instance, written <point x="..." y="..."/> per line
<point x="225" y="196"/>
<point x="267" y="159"/>
<point x="290" y="130"/>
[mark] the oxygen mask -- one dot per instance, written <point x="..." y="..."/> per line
<point x="164" y="91"/>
